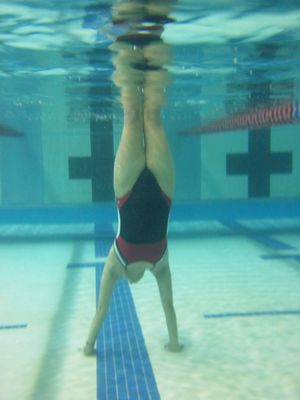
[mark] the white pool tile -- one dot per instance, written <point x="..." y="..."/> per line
<point x="239" y="358"/>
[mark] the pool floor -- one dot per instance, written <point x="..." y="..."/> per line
<point x="238" y="306"/>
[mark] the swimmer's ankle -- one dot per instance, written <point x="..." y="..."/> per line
<point x="174" y="347"/>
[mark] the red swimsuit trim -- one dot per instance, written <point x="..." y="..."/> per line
<point x="131" y="252"/>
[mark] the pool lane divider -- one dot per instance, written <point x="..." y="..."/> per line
<point x="284" y="112"/>
<point x="124" y="369"/>
<point x="12" y="326"/>
<point x="270" y="313"/>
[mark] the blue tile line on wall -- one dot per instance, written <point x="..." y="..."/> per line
<point x="270" y="313"/>
<point x="103" y="214"/>
<point x="124" y="370"/>
<point x="13" y="326"/>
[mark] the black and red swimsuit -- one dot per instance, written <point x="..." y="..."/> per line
<point x="143" y="221"/>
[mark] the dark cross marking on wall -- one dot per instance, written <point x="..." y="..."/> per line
<point x="98" y="167"/>
<point x="260" y="163"/>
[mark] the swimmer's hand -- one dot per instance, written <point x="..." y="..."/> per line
<point x="89" y="350"/>
<point x="174" y="348"/>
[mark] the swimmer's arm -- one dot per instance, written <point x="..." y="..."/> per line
<point x="108" y="281"/>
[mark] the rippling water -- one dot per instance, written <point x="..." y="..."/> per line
<point x="228" y="44"/>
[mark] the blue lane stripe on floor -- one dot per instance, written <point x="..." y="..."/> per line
<point x="263" y="239"/>
<point x="13" y="326"/>
<point x="269" y="313"/>
<point x="271" y="242"/>
<point x="124" y="370"/>
<point x="102" y="247"/>
<point x="82" y="265"/>
<point x="295" y="257"/>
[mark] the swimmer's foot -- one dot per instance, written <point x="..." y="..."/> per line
<point x="89" y="350"/>
<point x="174" y="348"/>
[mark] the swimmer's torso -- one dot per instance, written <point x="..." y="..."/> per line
<point x="143" y="221"/>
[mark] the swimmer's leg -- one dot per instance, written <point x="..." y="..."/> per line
<point x="158" y="154"/>
<point x="130" y="158"/>
<point x="108" y="280"/>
